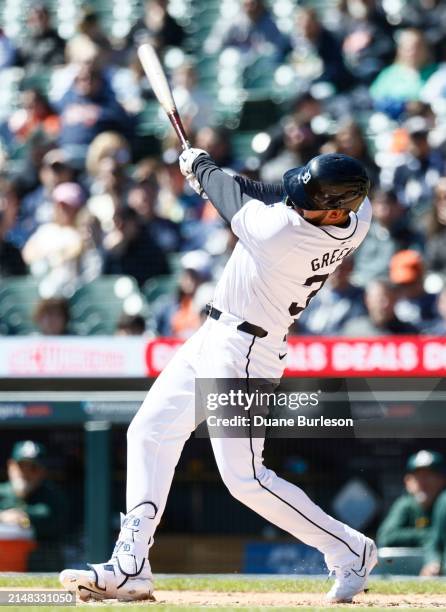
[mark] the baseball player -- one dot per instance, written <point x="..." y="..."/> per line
<point x="291" y="238"/>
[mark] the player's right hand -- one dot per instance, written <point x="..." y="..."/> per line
<point x="187" y="158"/>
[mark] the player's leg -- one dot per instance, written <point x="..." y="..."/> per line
<point x="241" y="466"/>
<point x="240" y="462"/>
<point x="155" y="439"/>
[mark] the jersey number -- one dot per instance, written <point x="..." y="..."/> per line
<point x="295" y="309"/>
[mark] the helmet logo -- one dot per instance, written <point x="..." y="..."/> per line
<point x="306" y="177"/>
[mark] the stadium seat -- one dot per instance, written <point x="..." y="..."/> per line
<point x="158" y="286"/>
<point x="18" y="298"/>
<point x="259" y="74"/>
<point x="151" y="121"/>
<point x="96" y="307"/>
<point x="242" y="144"/>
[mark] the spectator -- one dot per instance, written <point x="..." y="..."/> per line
<point x="42" y="47"/>
<point x="388" y="234"/>
<point x="436" y="231"/>
<point x="107" y="159"/>
<point x="403" y="80"/>
<point x="422" y="166"/>
<point x="143" y="199"/>
<point x="305" y="108"/>
<point x="132" y="87"/>
<point x="414" y="305"/>
<point x="36" y="114"/>
<point x="128" y="82"/>
<point x="130" y="325"/>
<point x="254" y="32"/>
<point x="381" y="320"/>
<point x="299" y="141"/>
<point x="157" y="27"/>
<point x="29" y="499"/>
<point x="52" y="317"/>
<point x="350" y="140"/>
<point x="54" y="250"/>
<point x="408" y="522"/>
<point x="89" y="25"/>
<point x="37" y="207"/>
<point x="368" y="44"/>
<point x="11" y="262"/>
<point x="79" y="51"/>
<point x="317" y="55"/>
<point x="130" y="249"/>
<point x="217" y="142"/>
<point x="7" y="51"/>
<point x="339" y="301"/>
<point x="89" y="108"/>
<point x="177" y="201"/>
<point x="430" y="17"/>
<point x="179" y="316"/>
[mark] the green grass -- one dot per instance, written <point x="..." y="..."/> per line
<point x="243" y="584"/>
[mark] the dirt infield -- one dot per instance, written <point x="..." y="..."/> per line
<point x="280" y="600"/>
<point x="212" y="599"/>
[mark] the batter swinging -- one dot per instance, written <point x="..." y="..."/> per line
<point x="291" y="238"/>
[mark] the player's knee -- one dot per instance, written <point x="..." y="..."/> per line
<point x="243" y="482"/>
<point x="239" y="480"/>
<point x="143" y="429"/>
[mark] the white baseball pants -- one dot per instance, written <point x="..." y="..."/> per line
<point x="166" y="419"/>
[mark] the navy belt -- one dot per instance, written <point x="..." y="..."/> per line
<point x="247" y="327"/>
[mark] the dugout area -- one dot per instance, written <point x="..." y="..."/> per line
<point x="204" y="530"/>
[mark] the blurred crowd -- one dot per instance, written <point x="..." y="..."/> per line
<point x="90" y="185"/>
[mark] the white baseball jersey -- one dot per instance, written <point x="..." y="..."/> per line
<point x="281" y="261"/>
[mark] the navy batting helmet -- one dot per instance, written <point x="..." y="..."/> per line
<point x="327" y="182"/>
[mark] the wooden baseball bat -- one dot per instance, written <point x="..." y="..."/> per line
<point x="161" y="88"/>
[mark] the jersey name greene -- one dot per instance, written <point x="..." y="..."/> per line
<point x="331" y="257"/>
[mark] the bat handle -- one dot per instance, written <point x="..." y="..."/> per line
<point x="177" y="124"/>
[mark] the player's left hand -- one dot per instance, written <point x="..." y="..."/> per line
<point x="187" y="158"/>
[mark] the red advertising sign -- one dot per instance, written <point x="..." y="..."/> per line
<point x="341" y="357"/>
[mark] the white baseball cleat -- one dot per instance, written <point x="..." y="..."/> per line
<point x="349" y="581"/>
<point x="102" y="581"/>
<point x="127" y="576"/>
